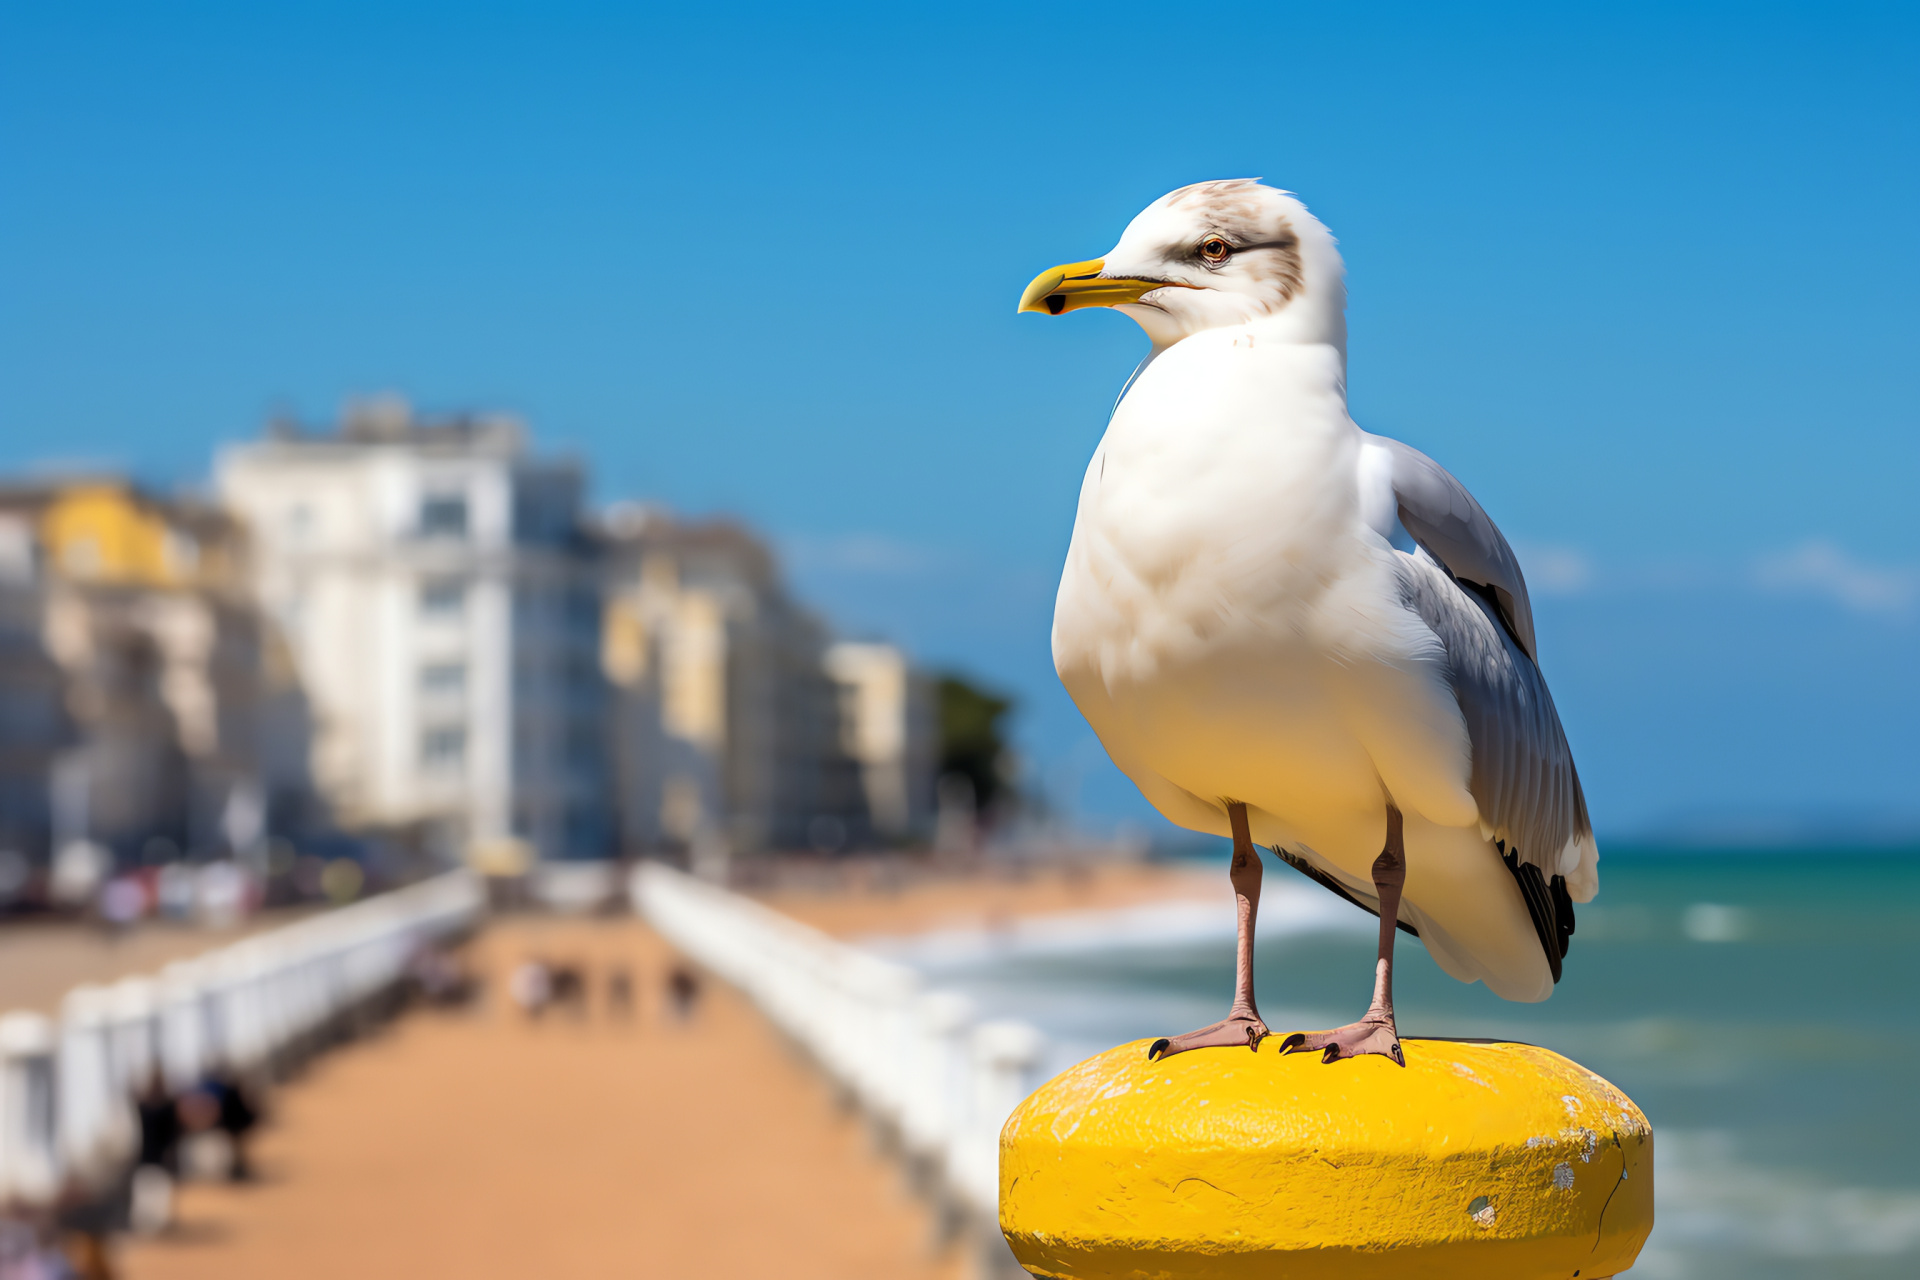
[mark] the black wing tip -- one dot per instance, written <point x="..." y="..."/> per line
<point x="1548" y="903"/>
<point x="1562" y="912"/>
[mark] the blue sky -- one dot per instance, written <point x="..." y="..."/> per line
<point x="1643" y="277"/>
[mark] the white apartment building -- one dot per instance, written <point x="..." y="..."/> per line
<point x="441" y="600"/>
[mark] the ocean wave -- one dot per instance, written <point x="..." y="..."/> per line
<point x="1285" y="911"/>
<point x="1717" y="1214"/>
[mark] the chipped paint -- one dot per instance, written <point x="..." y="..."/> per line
<point x="1563" y="1176"/>
<point x="1466" y="1072"/>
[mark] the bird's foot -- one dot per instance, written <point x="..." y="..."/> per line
<point x="1238" y="1030"/>
<point x="1375" y="1033"/>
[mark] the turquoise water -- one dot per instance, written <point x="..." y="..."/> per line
<point x="1763" y="1010"/>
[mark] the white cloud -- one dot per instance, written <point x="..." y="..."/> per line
<point x="867" y="554"/>
<point x="1821" y="567"/>
<point x="1817" y="567"/>
<point x="1555" y="571"/>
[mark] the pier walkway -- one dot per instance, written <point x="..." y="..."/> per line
<point x="480" y="1145"/>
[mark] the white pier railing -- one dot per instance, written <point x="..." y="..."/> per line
<point x="913" y="1058"/>
<point x="68" y="1128"/>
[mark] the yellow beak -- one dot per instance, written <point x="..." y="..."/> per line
<point x="1080" y="284"/>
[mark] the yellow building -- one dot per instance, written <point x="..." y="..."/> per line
<point x="183" y="728"/>
<point x="729" y="728"/>
<point x="108" y="531"/>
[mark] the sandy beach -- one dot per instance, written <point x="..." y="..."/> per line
<point x="478" y="1144"/>
<point x="873" y="903"/>
<point x="40" y="961"/>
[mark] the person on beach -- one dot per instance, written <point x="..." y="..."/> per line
<point x="150" y="1204"/>
<point x="531" y="987"/>
<point x="620" y="992"/>
<point x="683" y="990"/>
<point x="569" y="988"/>
<point x="238" y="1116"/>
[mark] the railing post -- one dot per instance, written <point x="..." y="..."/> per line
<point x="98" y="1131"/>
<point x="29" y="1141"/>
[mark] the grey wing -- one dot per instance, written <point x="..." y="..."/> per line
<point x="1443" y="517"/>
<point x="1466" y="585"/>
<point x="1523" y="777"/>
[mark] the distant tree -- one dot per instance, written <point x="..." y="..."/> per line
<point x="972" y="742"/>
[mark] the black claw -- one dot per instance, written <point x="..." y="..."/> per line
<point x="1157" y="1048"/>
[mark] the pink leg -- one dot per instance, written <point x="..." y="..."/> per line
<point x="1375" y="1032"/>
<point x="1242" y="1025"/>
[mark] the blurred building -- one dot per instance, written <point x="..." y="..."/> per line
<point x="441" y="598"/>
<point x="146" y="709"/>
<point x="888" y="725"/>
<point x="35" y="727"/>
<point x="410" y="627"/>
<point x="736" y="725"/>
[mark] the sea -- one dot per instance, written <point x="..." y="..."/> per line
<point x="1762" y="1007"/>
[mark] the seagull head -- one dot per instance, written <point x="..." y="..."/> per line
<point x="1210" y="255"/>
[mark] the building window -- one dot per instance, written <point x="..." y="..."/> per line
<point x="443" y="749"/>
<point x="534" y="608"/>
<point x="584" y="745"/>
<point x="443" y="597"/>
<point x="584" y="677"/>
<point x="443" y="677"/>
<point x="586" y="834"/>
<point x="182" y="554"/>
<point x="443" y="515"/>
<point x="535" y="521"/>
<point x="81" y="557"/>
<point x="583" y="611"/>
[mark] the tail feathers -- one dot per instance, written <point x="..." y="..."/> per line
<point x="1548" y="903"/>
<point x="1580" y="861"/>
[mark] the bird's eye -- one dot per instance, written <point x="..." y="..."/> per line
<point x="1215" y="250"/>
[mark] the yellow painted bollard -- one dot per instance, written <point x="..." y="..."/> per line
<point x="1488" y="1160"/>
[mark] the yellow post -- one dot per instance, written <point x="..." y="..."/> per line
<point x="1475" y="1160"/>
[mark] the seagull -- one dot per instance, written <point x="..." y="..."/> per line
<point x="1290" y="631"/>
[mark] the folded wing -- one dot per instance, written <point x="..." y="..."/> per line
<point x="1465" y="583"/>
